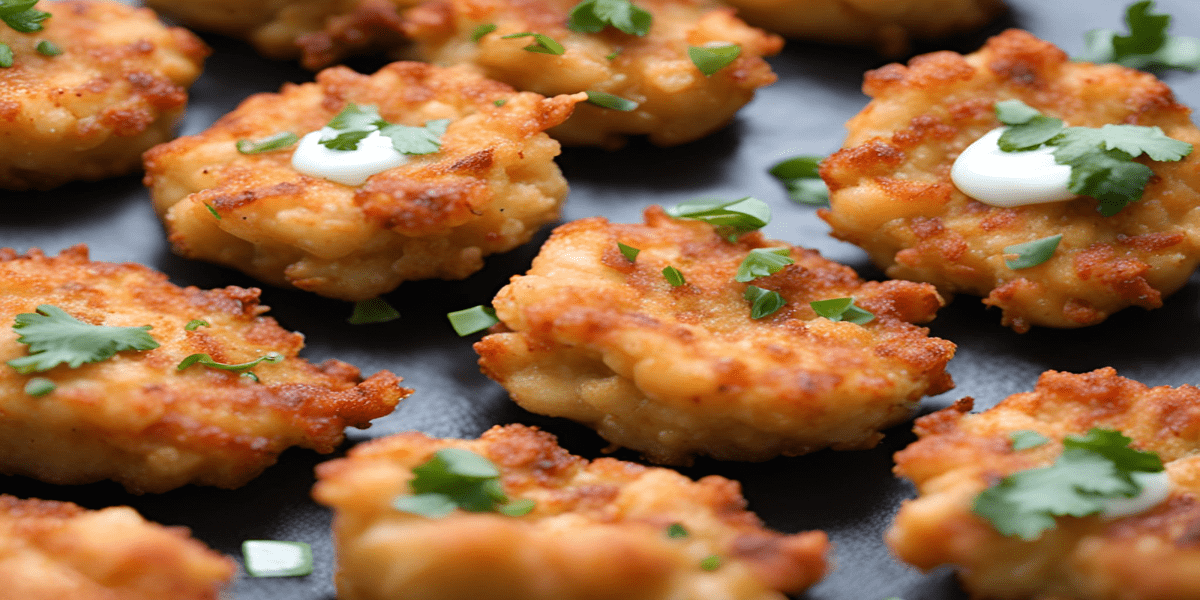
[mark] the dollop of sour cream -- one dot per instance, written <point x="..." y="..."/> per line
<point x="375" y="154"/>
<point x="1156" y="487"/>
<point x="1005" y="179"/>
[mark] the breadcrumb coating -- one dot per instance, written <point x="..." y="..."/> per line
<point x="58" y="550"/>
<point x="139" y="421"/>
<point x="117" y="89"/>
<point x="1154" y="554"/>
<point x="891" y="193"/>
<point x="487" y="190"/>
<point x="598" y="530"/>
<point x="674" y="372"/>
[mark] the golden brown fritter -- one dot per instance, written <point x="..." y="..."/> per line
<point x="135" y="418"/>
<point x="117" y="89"/>
<point x="57" y="550"/>
<point x="891" y="191"/>
<point x="890" y="26"/>
<point x="597" y="530"/>
<point x="1148" y="555"/>
<point x="677" y="371"/>
<point x="487" y="190"/>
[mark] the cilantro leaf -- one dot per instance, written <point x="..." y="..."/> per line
<point x="1026" y="438"/>
<point x="54" y="337"/>
<point x="712" y="59"/>
<point x="416" y="140"/>
<point x="1015" y="112"/>
<point x="842" y="309"/>
<point x="629" y="252"/>
<point x="345" y="140"/>
<point x="478" y="33"/>
<point x="471" y="320"/>
<point x="21" y="16"/>
<point x="1030" y="134"/>
<point x="761" y="262"/>
<point x="542" y="44"/>
<point x="375" y="310"/>
<point x="195" y="324"/>
<point x="270" y="143"/>
<point x="458" y="478"/>
<point x="1136" y="140"/>
<point x="592" y="16"/>
<point x="354" y="117"/>
<point x="48" y="48"/>
<point x="610" y="101"/>
<point x="1147" y="46"/>
<point x="673" y="276"/>
<point x="732" y="218"/>
<point x="763" y="303"/>
<point x="1114" y="446"/>
<point x="6" y="56"/>
<point x="1031" y="254"/>
<point x="802" y="178"/>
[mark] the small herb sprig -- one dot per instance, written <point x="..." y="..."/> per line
<point x="456" y="478"/>
<point x="1147" y="46"/>
<point x="55" y="337"/>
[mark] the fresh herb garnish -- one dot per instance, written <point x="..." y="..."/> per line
<point x="21" y="16"/>
<point x="1101" y="160"/>
<point x="842" y="309"/>
<point x="613" y="55"/>
<point x="278" y="141"/>
<point x="592" y="16"/>
<point x="471" y="320"/>
<point x="763" y="303"/>
<point x="542" y="44"/>
<point x="761" y="262"/>
<point x="731" y="218"/>
<point x="803" y="181"/>
<point x="458" y="478"/>
<point x="54" y="337"/>
<point x="271" y="558"/>
<point x="243" y="368"/>
<point x="1026" y="438"/>
<point x="356" y="122"/>
<point x="375" y="310"/>
<point x="48" y="48"/>
<point x="710" y="59"/>
<point x="39" y="386"/>
<point x="6" y="56"/>
<point x="500" y="102"/>
<point x="629" y="252"/>
<point x="1031" y="254"/>
<point x="195" y="324"/>
<point x="1147" y="46"/>
<point x="711" y="563"/>
<point x="673" y="276"/>
<point x="676" y="531"/>
<point x="212" y="211"/>
<point x="1091" y="469"/>
<point x="609" y="101"/>
<point x="482" y="30"/>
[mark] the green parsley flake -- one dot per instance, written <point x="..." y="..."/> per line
<point x="471" y="320"/>
<point x="1091" y="469"/>
<point x="842" y="309"/>
<point x="1147" y="46"/>
<point x="1025" y="439"/>
<point x="629" y="252"/>
<point x="1101" y="160"/>
<point x="763" y="303"/>
<point x="500" y="102"/>
<point x="1032" y="254"/>
<point x="458" y="478"/>
<point x="271" y="558"/>
<point x="48" y="48"/>
<point x="195" y="324"/>
<point x="711" y="563"/>
<point x="673" y="276"/>
<point x="613" y="55"/>
<point x="676" y="531"/>
<point x="803" y="181"/>
<point x="542" y="44"/>
<point x="278" y="141"/>
<point x="592" y="16"/>
<point x="611" y="102"/>
<point x="21" y="16"/>
<point x="356" y="122"/>
<point x="710" y="59"/>
<point x="482" y="30"/>
<point x="39" y="386"/>
<point x="761" y="262"/>
<point x="6" y="56"/>
<point x="375" y="310"/>
<point x="242" y="368"/>
<point x="731" y="218"/>
<point x="54" y="337"/>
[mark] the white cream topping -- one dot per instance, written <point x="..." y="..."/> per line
<point x="1005" y="179"/>
<point x="374" y="154"/>
<point x="1156" y="487"/>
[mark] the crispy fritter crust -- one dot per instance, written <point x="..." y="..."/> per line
<point x="1150" y="555"/>
<point x="488" y="189"/>
<point x="137" y="420"/>
<point x="891" y="191"/>
<point x="57" y="550"/>
<point x="116" y="90"/>
<point x="598" y="530"/>
<point x="678" y="371"/>
<point x="888" y="25"/>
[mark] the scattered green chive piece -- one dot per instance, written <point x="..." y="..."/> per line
<point x="711" y="563"/>
<point x="592" y="16"/>
<point x="1147" y="46"/>
<point x="761" y="262"/>
<point x="482" y="30"/>
<point x="501" y="102"/>
<point x="212" y="211"/>
<point x="278" y="141"/>
<point x="1027" y="438"/>
<point x="609" y="101"/>
<point x="542" y="44"/>
<point x="21" y="16"/>
<point x="55" y="337"/>
<point x="471" y="320"/>
<point x="243" y="368"/>
<point x="458" y="478"/>
<point x="195" y="324"/>
<point x="674" y="276"/>
<point x="712" y="59"/>
<point x="676" y="531"/>
<point x="731" y="218"/>
<point x="842" y="309"/>
<point x="375" y="310"/>
<point x="271" y="558"/>
<point x="803" y="181"/>
<point x="1031" y="254"/>
<point x="6" y="56"/>
<point x="629" y="252"/>
<point x="613" y="56"/>
<point x="48" y="48"/>
<point x="39" y="386"/>
<point x="763" y="303"/>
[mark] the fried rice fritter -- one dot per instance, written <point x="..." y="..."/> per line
<point x="487" y="190"/>
<point x="117" y="89"/>
<point x="674" y="372"/>
<point x="598" y="529"/>
<point x="1149" y="555"/>
<point x="135" y="418"/>
<point x="891" y="192"/>
<point x="58" y="550"/>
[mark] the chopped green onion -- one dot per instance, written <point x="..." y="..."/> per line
<point x="1032" y="254"/>
<point x="500" y="102"/>
<point x="375" y="310"/>
<point x="674" y="277"/>
<point x="712" y="59"/>
<point x="271" y="558"/>
<point x="731" y="218"/>
<point x="801" y="175"/>
<point x="761" y="262"/>
<point x="278" y="141"/>
<point x="629" y="252"/>
<point x="676" y="531"/>
<point x="542" y="44"/>
<point x="212" y="211"/>
<point x="592" y="16"/>
<point x="482" y="30"/>
<point x="842" y="309"/>
<point x="6" y="56"/>
<point x="195" y="324"/>
<point x="471" y="320"/>
<point x="39" y="386"/>
<point x="609" y="101"/>
<point x="763" y="303"/>
<point x="711" y="563"/>
<point x="48" y="48"/>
